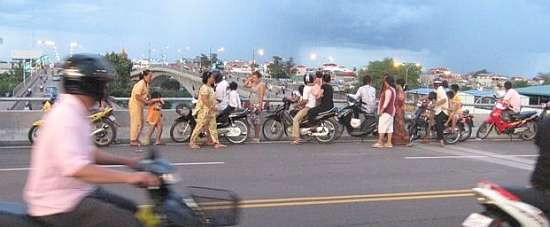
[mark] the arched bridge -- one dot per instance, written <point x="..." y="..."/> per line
<point x="187" y="79"/>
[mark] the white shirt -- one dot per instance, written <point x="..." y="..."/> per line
<point x="234" y="99"/>
<point x="367" y="94"/>
<point x="308" y="95"/>
<point x="63" y="147"/>
<point x="514" y="99"/>
<point x="441" y="95"/>
<point x="221" y="94"/>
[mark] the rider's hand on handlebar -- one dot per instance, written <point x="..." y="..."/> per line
<point x="143" y="179"/>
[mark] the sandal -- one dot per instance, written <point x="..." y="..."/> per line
<point x="219" y="146"/>
<point x="296" y="142"/>
<point x="160" y="144"/>
<point x="388" y="145"/>
<point x="194" y="146"/>
<point x="378" y="145"/>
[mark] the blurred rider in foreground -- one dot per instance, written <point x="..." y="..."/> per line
<point x="61" y="187"/>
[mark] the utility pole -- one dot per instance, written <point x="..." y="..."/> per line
<point x="253" y="66"/>
<point x="149" y="57"/>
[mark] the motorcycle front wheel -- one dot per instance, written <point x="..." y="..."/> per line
<point x="243" y="127"/>
<point x="180" y="131"/>
<point x="272" y="129"/>
<point x="453" y="136"/>
<point x="106" y="136"/>
<point x="331" y="127"/>
<point x="484" y="130"/>
<point x="466" y="131"/>
<point x="33" y="133"/>
<point x="531" y="131"/>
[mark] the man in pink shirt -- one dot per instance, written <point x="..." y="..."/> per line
<point x="60" y="189"/>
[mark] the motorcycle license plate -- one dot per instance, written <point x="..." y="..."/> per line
<point x="112" y="118"/>
<point x="477" y="220"/>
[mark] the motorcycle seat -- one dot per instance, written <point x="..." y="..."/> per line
<point x="331" y="111"/>
<point x="238" y="113"/>
<point x="524" y="115"/>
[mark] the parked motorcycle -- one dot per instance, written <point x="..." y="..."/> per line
<point x="196" y="206"/>
<point x="419" y="127"/>
<point x="355" y="120"/>
<point x="465" y="124"/>
<point x="105" y="128"/>
<point x="278" y="122"/>
<point x="503" y="208"/>
<point x="323" y="128"/>
<point x="234" y="127"/>
<point x="523" y="124"/>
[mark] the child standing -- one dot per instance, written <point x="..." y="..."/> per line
<point x="234" y="98"/>
<point x="154" y="118"/>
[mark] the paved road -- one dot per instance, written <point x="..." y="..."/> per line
<point x="37" y="105"/>
<point x="374" y="186"/>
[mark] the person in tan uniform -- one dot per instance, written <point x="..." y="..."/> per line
<point x="206" y="113"/>
<point x="138" y="100"/>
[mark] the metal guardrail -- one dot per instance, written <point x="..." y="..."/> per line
<point x="271" y="100"/>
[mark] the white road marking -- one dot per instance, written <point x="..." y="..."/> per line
<point x="118" y="166"/>
<point x="510" y="161"/>
<point x="467" y="156"/>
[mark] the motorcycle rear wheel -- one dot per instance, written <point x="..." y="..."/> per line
<point x="244" y="132"/>
<point x="531" y="131"/>
<point x="329" y="125"/>
<point x="273" y="130"/>
<point x="180" y="131"/>
<point x="107" y="136"/>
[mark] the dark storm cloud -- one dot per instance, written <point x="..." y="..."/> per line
<point x="503" y="36"/>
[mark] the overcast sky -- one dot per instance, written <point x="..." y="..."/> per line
<point x="509" y="37"/>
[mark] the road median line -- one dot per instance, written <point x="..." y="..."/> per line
<point x="344" y="201"/>
<point x="348" y="197"/>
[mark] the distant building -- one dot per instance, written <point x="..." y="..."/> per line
<point x="5" y="67"/>
<point x="301" y="70"/>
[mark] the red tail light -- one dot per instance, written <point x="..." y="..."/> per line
<point x="500" y="190"/>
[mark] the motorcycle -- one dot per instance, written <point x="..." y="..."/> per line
<point x="323" y="128"/>
<point x="355" y="120"/>
<point x="419" y="126"/>
<point x="503" y="208"/>
<point x="465" y="124"/>
<point x="234" y="127"/>
<point x="104" y="133"/>
<point x="523" y="124"/>
<point x="196" y="206"/>
<point x="277" y="122"/>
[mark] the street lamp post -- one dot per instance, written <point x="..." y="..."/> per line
<point x="261" y="52"/>
<point x="407" y="68"/>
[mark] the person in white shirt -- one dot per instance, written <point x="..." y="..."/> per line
<point x="221" y="92"/>
<point x="308" y="101"/>
<point x="367" y="94"/>
<point x="234" y="98"/>
<point x="441" y="109"/>
<point x="512" y="97"/>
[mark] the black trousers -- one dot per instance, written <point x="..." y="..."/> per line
<point x="314" y="112"/>
<point x="440" y="120"/>
<point x="99" y="209"/>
